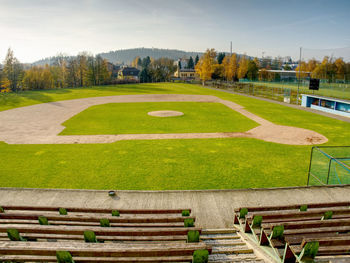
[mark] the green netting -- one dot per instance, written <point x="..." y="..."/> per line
<point x="329" y="165"/>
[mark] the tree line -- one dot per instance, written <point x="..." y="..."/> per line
<point x="226" y="67"/>
<point x="330" y="69"/>
<point x="80" y="71"/>
<point x="213" y="65"/>
<point x="154" y="70"/>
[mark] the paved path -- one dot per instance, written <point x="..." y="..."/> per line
<point x="41" y="123"/>
<point x="213" y="208"/>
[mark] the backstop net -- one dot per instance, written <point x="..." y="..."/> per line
<point x="329" y="165"/>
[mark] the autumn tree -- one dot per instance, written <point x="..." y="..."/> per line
<point x="61" y="64"/>
<point x="13" y="70"/>
<point x="230" y="67"/>
<point x="205" y="65"/>
<point x="242" y="67"/>
<point x="4" y="82"/>
<point x="253" y="69"/>
<point x="72" y="73"/>
<point x="339" y="68"/>
<point x="136" y="63"/>
<point x="218" y="72"/>
<point x="301" y="70"/>
<point x="82" y="68"/>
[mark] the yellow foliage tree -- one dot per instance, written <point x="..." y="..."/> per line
<point x="205" y="66"/>
<point x="303" y="70"/>
<point x="5" y="85"/>
<point x="340" y="68"/>
<point x="135" y="62"/>
<point x="230" y="67"/>
<point x="243" y="67"/>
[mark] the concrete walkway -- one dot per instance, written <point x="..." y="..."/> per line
<point x="42" y="123"/>
<point x="213" y="208"/>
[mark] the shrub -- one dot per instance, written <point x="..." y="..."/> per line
<point x="189" y="222"/>
<point x="90" y="237"/>
<point x="303" y="208"/>
<point x="115" y="213"/>
<point x="200" y="256"/>
<point x="277" y="232"/>
<point x="257" y="221"/>
<point x="243" y="212"/>
<point x="62" y="211"/>
<point x="193" y="236"/>
<point x="43" y="220"/>
<point x="14" y="235"/>
<point x="328" y="215"/>
<point x="104" y="222"/>
<point x="311" y="249"/>
<point x="64" y="257"/>
<point x="185" y="212"/>
<point x="2" y="210"/>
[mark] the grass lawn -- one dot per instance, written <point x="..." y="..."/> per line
<point x="336" y="90"/>
<point x="165" y="164"/>
<point x="132" y="118"/>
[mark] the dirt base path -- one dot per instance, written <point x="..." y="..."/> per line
<point x="41" y="123"/>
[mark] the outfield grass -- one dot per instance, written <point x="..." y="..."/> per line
<point x="166" y="164"/>
<point x="336" y="90"/>
<point x="132" y="118"/>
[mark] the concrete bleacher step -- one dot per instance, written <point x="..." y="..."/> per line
<point x="227" y="246"/>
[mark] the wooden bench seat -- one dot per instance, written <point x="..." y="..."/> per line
<point x="113" y="250"/>
<point x="296" y="214"/>
<point x="326" y="250"/>
<point x="25" y="258"/>
<point x="93" y="210"/>
<point x="70" y="223"/>
<point x="60" y="237"/>
<point x="298" y="239"/>
<point x="102" y="231"/>
<point x="292" y="207"/>
<point x="328" y="241"/>
<point x="309" y="224"/>
<point x="96" y="218"/>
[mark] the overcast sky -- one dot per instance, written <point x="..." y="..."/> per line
<point x="40" y="28"/>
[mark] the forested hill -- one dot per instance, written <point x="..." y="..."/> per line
<point x="127" y="55"/>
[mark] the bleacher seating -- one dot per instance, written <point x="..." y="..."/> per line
<point x="297" y="233"/>
<point x="132" y="235"/>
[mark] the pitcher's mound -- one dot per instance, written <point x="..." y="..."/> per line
<point x="165" y="113"/>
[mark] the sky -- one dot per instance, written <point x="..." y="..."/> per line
<point x="41" y="28"/>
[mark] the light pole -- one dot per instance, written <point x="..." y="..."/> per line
<point x="299" y="77"/>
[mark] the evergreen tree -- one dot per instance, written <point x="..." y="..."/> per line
<point x="221" y="57"/>
<point x="146" y="62"/>
<point x="196" y="60"/>
<point x="145" y="76"/>
<point x="190" y="64"/>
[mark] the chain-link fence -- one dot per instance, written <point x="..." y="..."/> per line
<point x="329" y="165"/>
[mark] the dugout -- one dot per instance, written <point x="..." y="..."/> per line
<point x="326" y="104"/>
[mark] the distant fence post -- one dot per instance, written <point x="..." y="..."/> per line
<point x="308" y="176"/>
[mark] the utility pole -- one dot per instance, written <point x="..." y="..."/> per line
<point x="231" y="49"/>
<point x="299" y="76"/>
